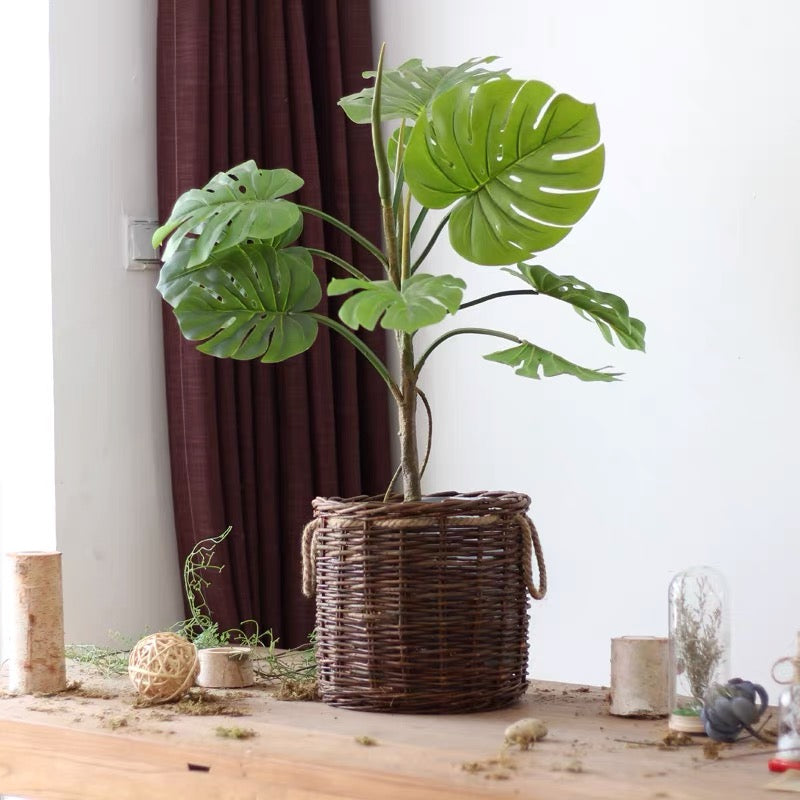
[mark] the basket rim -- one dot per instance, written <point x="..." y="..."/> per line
<point x="438" y="504"/>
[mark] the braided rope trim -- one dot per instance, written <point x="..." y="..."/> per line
<point x="309" y="547"/>
<point x="530" y="543"/>
<point x="794" y="661"/>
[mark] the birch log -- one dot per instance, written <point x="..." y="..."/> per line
<point x="36" y="642"/>
<point x="225" y="667"/>
<point x="639" y="676"/>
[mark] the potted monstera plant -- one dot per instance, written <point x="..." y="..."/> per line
<point x="421" y="600"/>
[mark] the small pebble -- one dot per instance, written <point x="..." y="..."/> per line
<point x="525" y="732"/>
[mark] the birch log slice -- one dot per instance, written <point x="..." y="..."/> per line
<point x="225" y="668"/>
<point x="639" y="676"/>
<point x="36" y="615"/>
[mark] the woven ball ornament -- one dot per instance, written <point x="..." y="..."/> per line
<point x="163" y="666"/>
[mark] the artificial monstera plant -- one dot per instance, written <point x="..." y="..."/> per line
<point x="512" y="164"/>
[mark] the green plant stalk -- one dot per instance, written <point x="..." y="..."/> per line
<point x="495" y="296"/>
<point x="409" y="461"/>
<point x="429" y="414"/>
<point x="340" y="262"/>
<point x="428" y="446"/>
<point x="409" y="458"/>
<point x="384" y="177"/>
<point x="405" y="244"/>
<point x="398" y="169"/>
<point x="353" y="234"/>
<point x="458" y="332"/>
<point x="407" y="400"/>
<point x="428" y="247"/>
<point x="415" y="228"/>
<point x="364" y="349"/>
<point x="199" y="627"/>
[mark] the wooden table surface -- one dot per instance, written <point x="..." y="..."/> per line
<point x="97" y="748"/>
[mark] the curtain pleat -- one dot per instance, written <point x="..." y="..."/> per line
<point x="252" y="444"/>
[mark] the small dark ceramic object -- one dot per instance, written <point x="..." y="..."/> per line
<point x="730" y="708"/>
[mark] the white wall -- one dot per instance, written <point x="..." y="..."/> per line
<point x="113" y="501"/>
<point x="27" y="497"/>
<point x="692" y="459"/>
<point x="695" y="457"/>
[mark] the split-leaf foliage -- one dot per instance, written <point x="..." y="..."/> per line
<point x="513" y="165"/>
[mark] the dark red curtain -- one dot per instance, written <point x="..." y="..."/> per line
<point x="252" y="444"/>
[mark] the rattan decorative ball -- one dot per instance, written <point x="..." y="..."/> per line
<point x="163" y="666"/>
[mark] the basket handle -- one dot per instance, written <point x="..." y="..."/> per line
<point x="530" y="546"/>
<point x="309" y="558"/>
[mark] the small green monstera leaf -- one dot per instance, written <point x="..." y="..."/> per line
<point x="535" y="362"/>
<point x="251" y="301"/>
<point x="608" y="311"/>
<point x="518" y="163"/>
<point x="422" y="300"/>
<point x="233" y="206"/>
<point x="412" y="86"/>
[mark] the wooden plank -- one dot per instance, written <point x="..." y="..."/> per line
<point x="61" y="748"/>
<point x="51" y="763"/>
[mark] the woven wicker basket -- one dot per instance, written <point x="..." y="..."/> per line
<point x="422" y="607"/>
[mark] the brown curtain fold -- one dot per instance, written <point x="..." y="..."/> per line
<point x="252" y="444"/>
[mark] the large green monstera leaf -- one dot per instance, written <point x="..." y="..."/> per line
<point x="410" y="88"/>
<point x="248" y="302"/>
<point x="422" y="300"/>
<point x="535" y="362"/>
<point x="233" y="206"/>
<point x="608" y="311"/>
<point x="519" y="163"/>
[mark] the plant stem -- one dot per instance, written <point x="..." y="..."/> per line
<point x="427" y="405"/>
<point x="334" y="259"/>
<point x="395" y="476"/>
<point x="398" y="168"/>
<point x="365" y="350"/>
<point x="458" y="332"/>
<point x="398" y="188"/>
<point x="406" y="397"/>
<point x="405" y="246"/>
<point x="409" y="461"/>
<point x="428" y="247"/>
<point x="399" y="469"/>
<point x="384" y="177"/>
<point x="494" y="296"/>
<point x="353" y="234"/>
<point x="423" y="212"/>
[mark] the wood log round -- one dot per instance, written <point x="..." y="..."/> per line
<point x="639" y="676"/>
<point x="225" y="668"/>
<point x="36" y="615"/>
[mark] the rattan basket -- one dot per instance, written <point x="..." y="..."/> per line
<point x="422" y="607"/>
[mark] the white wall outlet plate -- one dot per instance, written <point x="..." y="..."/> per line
<point x="141" y="254"/>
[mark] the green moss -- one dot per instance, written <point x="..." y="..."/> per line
<point x="235" y="733"/>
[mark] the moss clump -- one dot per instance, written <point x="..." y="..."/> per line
<point x="235" y="733"/>
<point x="198" y="703"/>
<point x="297" y="690"/>
<point x="711" y="750"/>
<point x="675" y="739"/>
<point x="494" y="767"/>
